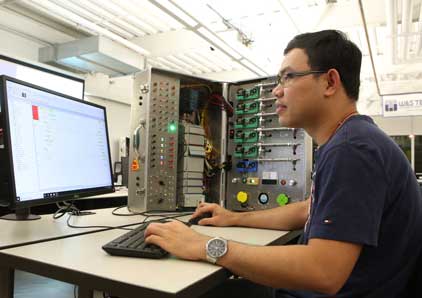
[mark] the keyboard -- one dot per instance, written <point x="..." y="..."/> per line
<point x="132" y="244"/>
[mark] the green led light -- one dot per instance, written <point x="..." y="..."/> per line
<point x="172" y="127"/>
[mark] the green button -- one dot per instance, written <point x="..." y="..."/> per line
<point x="244" y="180"/>
<point x="282" y="199"/>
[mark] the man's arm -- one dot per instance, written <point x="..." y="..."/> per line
<point x="322" y="265"/>
<point x="289" y="217"/>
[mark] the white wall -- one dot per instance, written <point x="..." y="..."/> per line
<point x="115" y="94"/>
<point x="396" y="126"/>
<point x="18" y="47"/>
<point x="118" y="118"/>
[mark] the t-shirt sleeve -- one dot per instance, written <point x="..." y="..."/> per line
<point x="350" y="194"/>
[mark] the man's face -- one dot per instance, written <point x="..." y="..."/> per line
<point x="299" y="101"/>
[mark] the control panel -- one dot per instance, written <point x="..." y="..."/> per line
<point x="194" y="140"/>
<point x="271" y="165"/>
<point x="154" y="143"/>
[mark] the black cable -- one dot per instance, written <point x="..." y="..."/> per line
<point x="147" y="214"/>
<point x="150" y="213"/>
<point x="124" y="214"/>
<point x="88" y="227"/>
<point x="62" y="210"/>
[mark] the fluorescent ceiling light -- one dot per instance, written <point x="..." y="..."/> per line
<point x="47" y="12"/>
<point x="172" y="66"/>
<point x="152" y="10"/>
<point x="69" y="15"/>
<point x="143" y="25"/>
<point x="216" y="41"/>
<point x="206" y="59"/>
<point x="212" y="58"/>
<point x="198" y="57"/>
<point x="178" y="12"/>
<point x="144" y="15"/>
<point x="109" y="13"/>
<point x="185" y="58"/>
<point x="183" y="64"/>
<point x="252" y="67"/>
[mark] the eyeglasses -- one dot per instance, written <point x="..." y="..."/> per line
<point x="285" y="79"/>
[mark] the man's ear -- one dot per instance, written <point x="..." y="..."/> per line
<point x="333" y="82"/>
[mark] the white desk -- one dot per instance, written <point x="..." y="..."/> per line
<point x="80" y="260"/>
<point x="16" y="233"/>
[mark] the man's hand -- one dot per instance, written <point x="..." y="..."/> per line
<point x="178" y="239"/>
<point x="220" y="217"/>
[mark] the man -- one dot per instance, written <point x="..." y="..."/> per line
<point x="363" y="223"/>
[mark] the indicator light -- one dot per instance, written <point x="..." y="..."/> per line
<point x="172" y="127"/>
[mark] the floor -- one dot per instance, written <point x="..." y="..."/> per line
<point x="28" y="285"/>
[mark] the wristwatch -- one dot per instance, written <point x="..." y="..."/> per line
<point x="216" y="248"/>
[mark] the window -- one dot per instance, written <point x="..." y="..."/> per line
<point x="405" y="144"/>
<point x="418" y="156"/>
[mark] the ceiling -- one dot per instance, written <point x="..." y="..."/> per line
<point x="237" y="39"/>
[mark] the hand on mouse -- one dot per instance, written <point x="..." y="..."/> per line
<point x="221" y="217"/>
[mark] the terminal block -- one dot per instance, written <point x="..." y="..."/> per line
<point x="247" y="108"/>
<point x="240" y="109"/>
<point x="246" y="151"/>
<point x="250" y="137"/>
<point x="247" y="166"/>
<point x="242" y="122"/>
<point x="246" y="136"/>
<point x="251" y="108"/>
<point x="239" y="136"/>
<point x="248" y="94"/>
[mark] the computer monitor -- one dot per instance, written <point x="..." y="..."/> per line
<point x="54" y="147"/>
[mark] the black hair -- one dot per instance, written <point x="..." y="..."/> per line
<point x="332" y="49"/>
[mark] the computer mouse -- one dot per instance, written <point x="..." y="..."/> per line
<point x="195" y="220"/>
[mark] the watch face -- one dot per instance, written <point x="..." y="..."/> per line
<point x="217" y="248"/>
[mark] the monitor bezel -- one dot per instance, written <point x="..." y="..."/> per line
<point x="75" y="194"/>
<point x="50" y="71"/>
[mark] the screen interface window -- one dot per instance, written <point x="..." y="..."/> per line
<point x="58" y="144"/>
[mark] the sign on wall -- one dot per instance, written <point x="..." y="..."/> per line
<point x="402" y="105"/>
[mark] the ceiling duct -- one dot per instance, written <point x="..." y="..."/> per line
<point x="93" y="54"/>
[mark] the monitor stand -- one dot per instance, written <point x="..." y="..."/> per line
<point x="21" y="214"/>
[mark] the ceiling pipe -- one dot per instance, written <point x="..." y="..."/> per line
<point x="391" y="11"/>
<point x="365" y="26"/>
<point x="419" y="44"/>
<point x="406" y="21"/>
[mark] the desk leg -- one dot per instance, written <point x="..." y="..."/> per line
<point x="84" y="292"/>
<point x="7" y="282"/>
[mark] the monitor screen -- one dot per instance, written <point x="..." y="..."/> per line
<point x="43" y="77"/>
<point x="58" y="146"/>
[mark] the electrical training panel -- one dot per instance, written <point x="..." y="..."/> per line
<point x="197" y="140"/>
<point x="271" y="165"/>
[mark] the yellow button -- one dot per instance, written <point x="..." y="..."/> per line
<point x="242" y="197"/>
